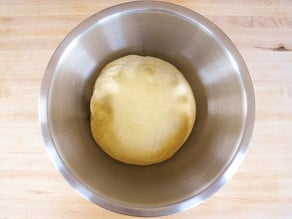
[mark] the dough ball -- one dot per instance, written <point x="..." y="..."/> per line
<point x="142" y="110"/>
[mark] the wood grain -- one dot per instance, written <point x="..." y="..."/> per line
<point x="30" y="186"/>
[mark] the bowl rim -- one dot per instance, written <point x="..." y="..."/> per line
<point x="221" y="179"/>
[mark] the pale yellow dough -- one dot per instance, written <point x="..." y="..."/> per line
<point x="142" y="110"/>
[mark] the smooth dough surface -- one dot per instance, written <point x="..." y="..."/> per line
<point x="142" y="110"/>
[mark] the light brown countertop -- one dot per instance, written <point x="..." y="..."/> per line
<point x="31" y="187"/>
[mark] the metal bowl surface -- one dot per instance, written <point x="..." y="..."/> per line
<point x="221" y="85"/>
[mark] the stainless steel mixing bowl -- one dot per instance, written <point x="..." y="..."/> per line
<point x="221" y="85"/>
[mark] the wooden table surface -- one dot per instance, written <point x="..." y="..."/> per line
<point x="31" y="187"/>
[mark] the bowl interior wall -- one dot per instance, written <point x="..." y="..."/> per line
<point x="216" y="84"/>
